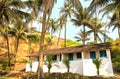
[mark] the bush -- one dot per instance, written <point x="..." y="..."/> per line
<point x="4" y="64"/>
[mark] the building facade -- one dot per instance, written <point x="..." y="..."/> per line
<point x="80" y="57"/>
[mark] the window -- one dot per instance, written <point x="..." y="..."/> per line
<point x="79" y="55"/>
<point x="54" y="57"/>
<point x="70" y="56"/>
<point x="60" y="57"/>
<point x="92" y="54"/>
<point x="103" y="53"/>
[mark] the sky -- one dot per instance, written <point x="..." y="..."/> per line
<point x="72" y="30"/>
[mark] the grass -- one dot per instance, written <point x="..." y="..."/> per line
<point x="9" y="77"/>
<point x="5" y="77"/>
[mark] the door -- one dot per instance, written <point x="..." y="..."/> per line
<point x="93" y="55"/>
<point x="70" y="56"/>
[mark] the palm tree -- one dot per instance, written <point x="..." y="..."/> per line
<point x="108" y="7"/>
<point x="82" y="17"/>
<point x="32" y="38"/>
<point x="10" y="10"/>
<point x="66" y="11"/>
<point x="52" y="25"/>
<point x="48" y="7"/>
<point x="67" y="64"/>
<point x="97" y="63"/>
<point x="115" y="22"/>
<point x="96" y="28"/>
<point x="18" y="30"/>
<point x="4" y="32"/>
<point x="76" y="3"/>
<point x="49" y="42"/>
<point x="62" y="22"/>
<point x="82" y="36"/>
<point x="49" y="60"/>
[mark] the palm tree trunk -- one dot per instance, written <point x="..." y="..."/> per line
<point x="95" y="37"/>
<point x="40" y="69"/>
<point x="84" y="34"/>
<point x="16" y="49"/>
<point x="119" y="32"/>
<point x="8" y="49"/>
<point x="65" y="37"/>
<point x="58" y="38"/>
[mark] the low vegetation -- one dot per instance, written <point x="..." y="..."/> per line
<point x="29" y="75"/>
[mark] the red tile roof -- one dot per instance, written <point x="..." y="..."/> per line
<point x="75" y="49"/>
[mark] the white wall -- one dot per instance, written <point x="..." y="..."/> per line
<point x="75" y="67"/>
<point x="83" y="66"/>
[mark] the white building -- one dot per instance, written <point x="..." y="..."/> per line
<point x="81" y="59"/>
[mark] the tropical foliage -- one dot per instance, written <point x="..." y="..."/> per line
<point x="49" y="62"/>
<point x="67" y="64"/>
<point x="23" y="13"/>
<point x="97" y="63"/>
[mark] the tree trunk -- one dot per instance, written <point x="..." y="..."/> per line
<point x="15" y="50"/>
<point x="84" y="34"/>
<point x="119" y="32"/>
<point x="8" y="50"/>
<point x="95" y="37"/>
<point x="40" y="67"/>
<point x="58" y="38"/>
<point x="65" y="37"/>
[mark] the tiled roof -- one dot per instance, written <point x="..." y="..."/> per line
<point x="83" y="48"/>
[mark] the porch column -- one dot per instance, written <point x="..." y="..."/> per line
<point x="82" y="55"/>
<point x="108" y="54"/>
<point x="97" y="54"/>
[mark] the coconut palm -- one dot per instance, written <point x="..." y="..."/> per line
<point x="4" y="33"/>
<point x="76" y="3"/>
<point x="18" y="31"/>
<point x="49" y="42"/>
<point x="61" y="22"/>
<point x="66" y="11"/>
<point x="48" y="7"/>
<point x="49" y="60"/>
<point x="52" y="25"/>
<point x="96" y="28"/>
<point x="10" y="10"/>
<point x="32" y="38"/>
<point x="97" y="63"/>
<point x="107" y="6"/>
<point x="115" y="22"/>
<point x="82" y="36"/>
<point x="82" y="17"/>
<point x="67" y="64"/>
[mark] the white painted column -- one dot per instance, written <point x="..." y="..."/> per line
<point x="82" y="63"/>
<point x="108" y="54"/>
<point x="82" y="55"/>
<point x="110" y="68"/>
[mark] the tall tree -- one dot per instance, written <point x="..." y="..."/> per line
<point x="52" y="25"/>
<point x="18" y="31"/>
<point x="82" y="36"/>
<point x="48" y="7"/>
<point x="32" y="38"/>
<point x="49" y="60"/>
<point x="108" y="6"/>
<point x="76" y="4"/>
<point x="96" y="28"/>
<point x="82" y="18"/>
<point x="4" y="32"/>
<point x="115" y="22"/>
<point x="61" y="22"/>
<point x="10" y="10"/>
<point x="66" y="10"/>
<point x="97" y="63"/>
